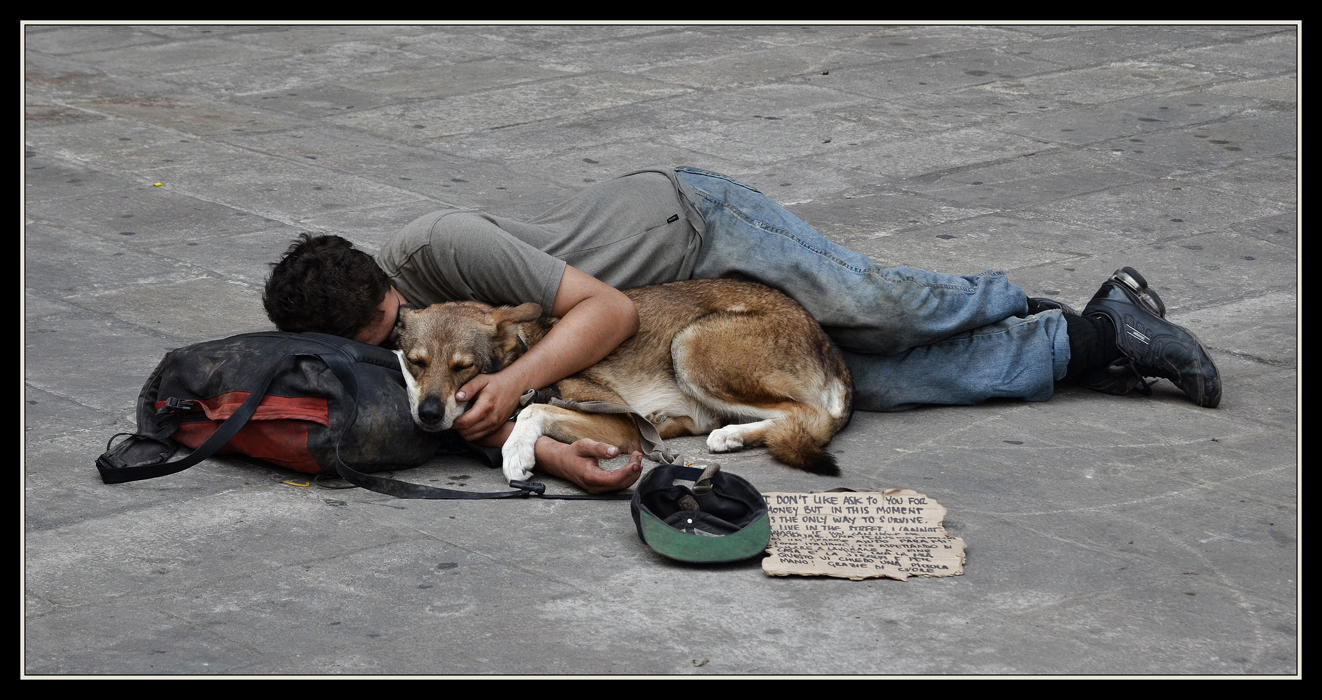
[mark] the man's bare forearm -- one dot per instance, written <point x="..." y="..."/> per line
<point x="588" y="333"/>
<point x="594" y="319"/>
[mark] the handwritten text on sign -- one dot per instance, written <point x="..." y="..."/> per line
<point x="861" y="534"/>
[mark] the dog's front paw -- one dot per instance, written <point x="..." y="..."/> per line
<point x="519" y="453"/>
<point x="727" y="439"/>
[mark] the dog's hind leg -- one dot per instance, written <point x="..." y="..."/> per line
<point x="798" y="438"/>
<point x="732" y="438"/>
<point x="783" y="373"/>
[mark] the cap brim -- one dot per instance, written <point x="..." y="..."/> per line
<point x="682" y="546"/>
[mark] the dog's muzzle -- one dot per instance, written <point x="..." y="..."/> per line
<point x="432" y="411"/>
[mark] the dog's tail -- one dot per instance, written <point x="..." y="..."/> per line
<point x="800" y="439"/>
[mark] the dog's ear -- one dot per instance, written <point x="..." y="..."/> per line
<point x="507" y="320"/>
<point x="522" y="313"/>
<point x="392" y="340"/>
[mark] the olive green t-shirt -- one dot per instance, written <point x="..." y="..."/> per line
<point x="634" y="230"/>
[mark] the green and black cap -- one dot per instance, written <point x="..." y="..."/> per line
<point x="700" y="514"/>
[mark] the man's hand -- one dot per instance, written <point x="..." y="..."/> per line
<point x="497" y="399"/>
<point x="579" y="463"/>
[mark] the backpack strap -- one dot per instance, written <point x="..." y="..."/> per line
<point x="124" y="462"/>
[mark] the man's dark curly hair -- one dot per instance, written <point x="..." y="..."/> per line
<point x="324" y="284"/>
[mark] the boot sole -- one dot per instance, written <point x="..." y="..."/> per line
<point x="1129" y="277"/>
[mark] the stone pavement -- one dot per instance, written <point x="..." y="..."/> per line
<point x="1106" y="535"/>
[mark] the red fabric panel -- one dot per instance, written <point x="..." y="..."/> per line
<point x="277" y="432"/>
<point x="271" y="407"/>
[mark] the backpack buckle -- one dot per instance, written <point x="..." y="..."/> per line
<point x="172" y="406"/>
<point x="529" y="488"/>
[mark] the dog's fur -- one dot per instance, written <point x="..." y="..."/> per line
<point x="708" y="353"/>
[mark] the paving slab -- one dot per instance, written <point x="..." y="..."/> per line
<point x="793" y="136"/>
<point x="1171" y="209"/>
<point x="199" y="117"/>
<point x="177" y="55"/>
<point x="1284" y="88"/>
<point x="1253" y="57"/>
<point x="146" y="215"/>
<point x="1047" y="176"/>
<point x="1280" y="230"/>
<point x="50" y="76"/>
<point x="798" y="183"/>
<point x="1213" y="145"/>
<point x="934" y="73"/>
<point x="102" y="264"/>
<point x="1133" y="118"/>
<point x="1270" y="179"/>
<point x="902" y="42"/>
<point x="1098" y="45"/>
<point x="124" y="146"/>
<point x="58" y="40"/>
<point x="1106" y="535"/>
<point x="273" y="187"/>
<point x="528" y="143"/>
<point x="926" y="155"/>
<point x="502" y="107"/>
<point x="642" y="52"/>
<point x="1106" y="83"/>
<point x="371" y="227"/>
<point x="453" y="79"/>
<point x="179" y="309"/>
<point x="754" y="67"/>
<point x="1188" y="273"/>
<point x="69" y="366"/>
<point x="45" y="177"/>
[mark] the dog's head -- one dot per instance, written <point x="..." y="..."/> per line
<point x="443" y="346"/>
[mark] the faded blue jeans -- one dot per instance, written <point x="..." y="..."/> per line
<point x="909" y="336"/>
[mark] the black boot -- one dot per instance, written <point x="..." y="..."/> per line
<point x="1150" y="346"/>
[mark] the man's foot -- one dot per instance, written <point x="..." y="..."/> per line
<point x="1118" y="377"/>
<point x="1150" y="345"/>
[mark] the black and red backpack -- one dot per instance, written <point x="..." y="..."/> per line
<point x="310" y="402"/>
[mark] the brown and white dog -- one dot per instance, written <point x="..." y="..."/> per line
<point x="738" y="360"/>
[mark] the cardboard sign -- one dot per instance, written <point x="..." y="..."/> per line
<point x="860" y="534"/>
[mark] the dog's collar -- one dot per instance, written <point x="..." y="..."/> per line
<point x="533" y="396"/>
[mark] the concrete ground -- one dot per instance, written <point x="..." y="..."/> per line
<point x="1106" y="535"/>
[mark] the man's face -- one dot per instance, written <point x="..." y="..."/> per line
<point x="379" y="330"/>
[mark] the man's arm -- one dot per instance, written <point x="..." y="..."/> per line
<point x="594" y="319"/>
